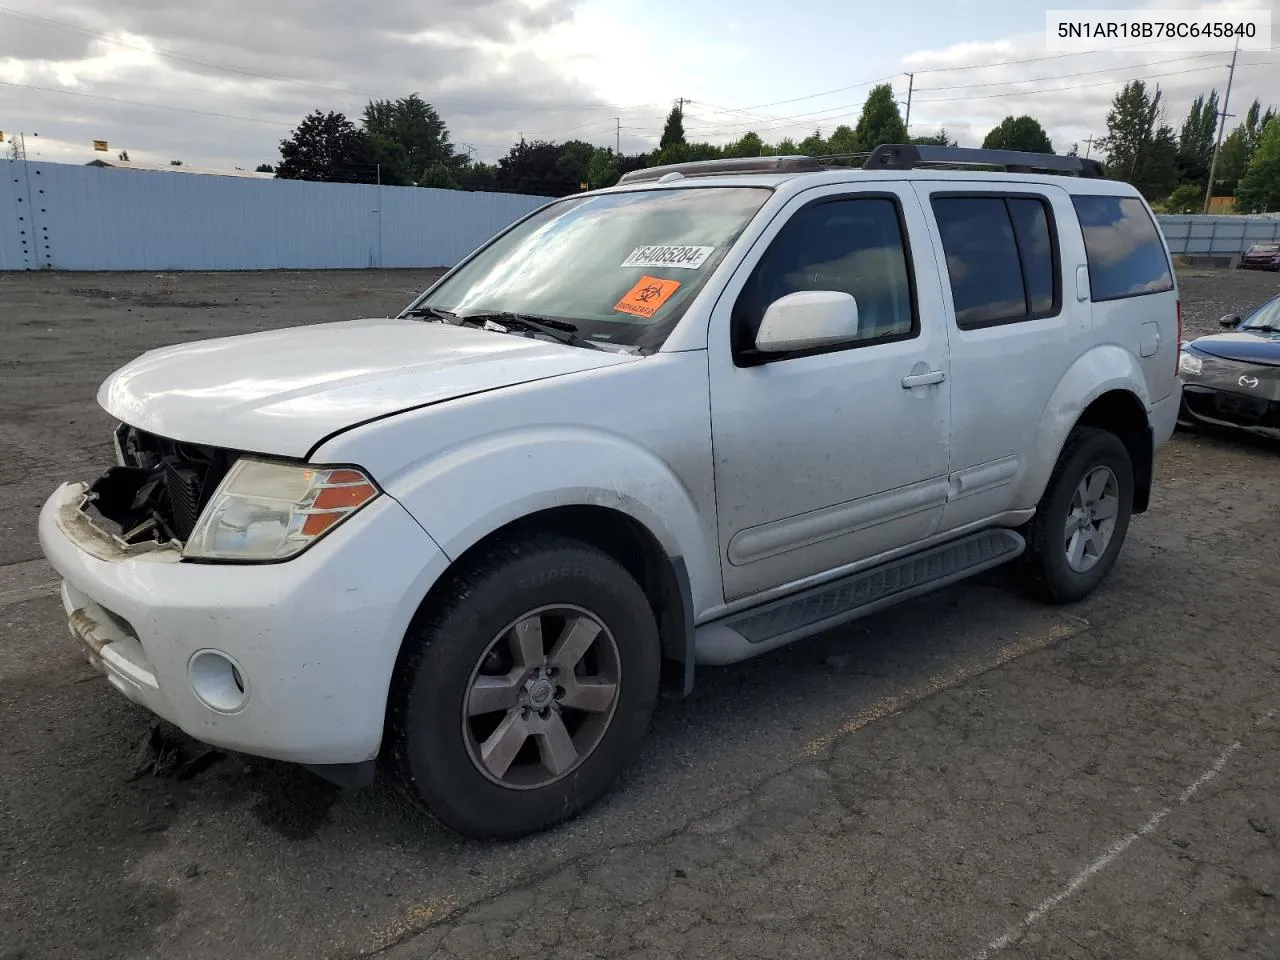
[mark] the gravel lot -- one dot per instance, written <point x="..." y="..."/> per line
<point x="1099" y="781"/>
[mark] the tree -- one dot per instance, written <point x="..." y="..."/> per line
<point x="814" y="145"/>
<point x="1019" y="133"/>
<point x="1239" y="145"/>
<point x="1259" y="189"/>
<point x="1195" y="142"/>
<point x="603" y="169"/>
<point x="478" y="176"/>
<point x="843" y="139"/>
<point x="683" y="153"/>
<point x="439" y="176"/>
<point x="327" y="147"/>
<point x="786" y="148"/>
<point x="1137" y="150"/>
<point x="534" y="167"/>
<point x="408" y="137"/>
<point x="748" y="145"/>
<point x="1188" y="198"/>
<point x="1157" y="172"/>
<point x="264" y="168"/>
<point x="880" y="121"/>
<point x="939" y="139"/>
<point x="673" y="132"/>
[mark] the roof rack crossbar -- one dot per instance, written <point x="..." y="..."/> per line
<point x="711" y="168"/>
<point x="908" y="156"/>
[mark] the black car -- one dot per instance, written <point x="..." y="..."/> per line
<point x="1232" y="379"/>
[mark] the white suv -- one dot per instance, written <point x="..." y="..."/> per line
<point x="682" y="421"/>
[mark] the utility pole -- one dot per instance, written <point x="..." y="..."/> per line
<point x="911" y="82"/>
<point x="618" y="136"/>
<point x="1088" y="145"/>
<point x="1222" y="126"/>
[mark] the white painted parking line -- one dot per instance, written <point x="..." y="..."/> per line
<point x="1115" y="850"/>
<point x="26" y="581"/>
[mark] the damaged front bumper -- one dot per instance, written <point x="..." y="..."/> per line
<point x="286" y="660"/>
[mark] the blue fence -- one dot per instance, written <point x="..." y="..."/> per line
<point x="1221" y="235"/>
<point x="70" y="217"/>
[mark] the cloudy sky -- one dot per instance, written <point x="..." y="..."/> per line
<point x="220" y="82"/>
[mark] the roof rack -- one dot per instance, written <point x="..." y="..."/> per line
<point x="908" y="156"/>
<point x="712" y="168"/>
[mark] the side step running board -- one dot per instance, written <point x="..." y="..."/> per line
<point x="764" y="628"/>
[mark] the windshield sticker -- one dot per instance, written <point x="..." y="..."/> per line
<point x="647" y="297"/>
<point x="681" y="258"/>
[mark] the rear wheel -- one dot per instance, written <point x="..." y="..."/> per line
<point x="1081" y="520"/>
<point x="525" y="693"/>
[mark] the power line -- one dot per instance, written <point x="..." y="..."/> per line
<point x="811" y="96"/>
<point x="1074" y="86"/>
<point x="1062" y="76"/>
<point x="1009" y="63"/>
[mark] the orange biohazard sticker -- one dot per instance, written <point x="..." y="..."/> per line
<point x="647" y="297"/>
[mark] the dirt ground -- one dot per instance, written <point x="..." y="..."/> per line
<point x="967" y="776"/>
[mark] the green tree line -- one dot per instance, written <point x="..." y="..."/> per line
<point x="406" y="142"/>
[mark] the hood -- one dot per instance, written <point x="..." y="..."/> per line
<point x="1260" y="347"/>
<point x="282" y="391"/>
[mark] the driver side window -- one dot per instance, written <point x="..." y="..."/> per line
<point x="854" y="246"/>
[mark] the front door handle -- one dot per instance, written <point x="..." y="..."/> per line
<point x="923" y="379"/>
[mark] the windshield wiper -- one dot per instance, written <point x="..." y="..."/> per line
<point x="1265" y="328"/>
<point x="434" y="312"/>
<point x="561" y="331"/>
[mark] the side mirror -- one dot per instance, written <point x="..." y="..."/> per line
<point x="1230" y="320"/>
<point x="808" y="319"/>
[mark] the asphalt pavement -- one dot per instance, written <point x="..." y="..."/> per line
<point x="970" y="775"/>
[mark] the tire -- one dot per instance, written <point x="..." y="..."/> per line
<point x="482" y="633"/>
<point x="1045" y="571"/>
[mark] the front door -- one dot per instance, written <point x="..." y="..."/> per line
<point x="827" y="458"/>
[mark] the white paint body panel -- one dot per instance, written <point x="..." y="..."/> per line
<point x="316" y="637"/>
<point x="804" y="478"/>
<point x="283" y="391"/>
<point x="759" y="480"/>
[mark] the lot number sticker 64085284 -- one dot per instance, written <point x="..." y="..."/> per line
<point x="671" y="257"/>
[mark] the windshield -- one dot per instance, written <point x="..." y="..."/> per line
<point x="1265" y="248"/>
<point x="621" y="267"/>
<point x="1266" y="317"/>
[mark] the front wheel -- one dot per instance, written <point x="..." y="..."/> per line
<point x="525" y="692"/>
<point x="1081" y="520"/>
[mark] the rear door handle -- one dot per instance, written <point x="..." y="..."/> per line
<point x="923" y="379"/>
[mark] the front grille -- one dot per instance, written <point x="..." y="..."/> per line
<point x="1233" y="408"/>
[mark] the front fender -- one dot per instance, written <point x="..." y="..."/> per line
<point x="1101" y="370"/>
<point x="468" y="492"/>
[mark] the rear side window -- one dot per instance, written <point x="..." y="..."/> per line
<point x="1001" y="258"/>
<point x="1126" y="257"/>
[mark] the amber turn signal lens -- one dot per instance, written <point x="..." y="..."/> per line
<point x="341" y="498"/>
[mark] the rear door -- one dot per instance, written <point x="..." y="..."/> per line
<point x="1131" y="284"/>
<point x="1008" y="253"/>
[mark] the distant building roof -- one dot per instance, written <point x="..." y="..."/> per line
<point x="171" y="168"/>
